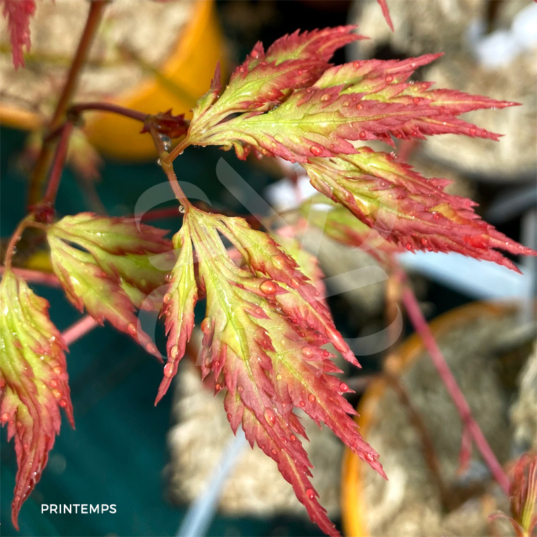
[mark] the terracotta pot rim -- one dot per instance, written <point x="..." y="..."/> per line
<point x="18" y="117"/>
<point x="352" y="507"/>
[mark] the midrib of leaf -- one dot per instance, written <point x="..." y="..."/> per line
<point x="223" y="290"/>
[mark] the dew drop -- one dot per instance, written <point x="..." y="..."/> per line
<point x="346" y="103"/>
<point x="362" y="135"/>
<point x="131" y="329"/>
<point x="53" y="383"/>
<point x="293" y="438"/>
<point x="359" y="106"/>
<point x="312" y="398"/>
<point x="57" y="370"/>
<point x="174" y="351"/>
<point x="169" y="277"/>
<point x="343" y="387"/>
<point x="181" y="209"/>
<point x="168" y="370"/>
<point x="206" y="325"/>
<point x="310" y="494"/>
<point x="270" y="416"/>
<point x="408" y="246"/>
<point x="307" y="351"/>
<point x="159" y="162"/>
<point x="369" y="457"/>
<point x="389" y="78"/>
<point x="274" y="452"/>
<point x="473" y="131"/>
<point x="325" y="97"/>
<point x="254" y="54"/>
<point x="301" y="404"/>
<point x="326" y="354"/>
<point x="278" y="377"/>
<point x="218" y="386"/>
<point x="316" y="150"/>
<point x="417" y="100"/>
<point x="63" y="403"/>
<point x="57" y="394"/>
<point x="424" y="86"/>
<point x="5" y="417"/>
<point x="424" y="241"/>
<point x="240" y="389"/>
<point x="166" y="142"/>
<point x="268" y="287"/>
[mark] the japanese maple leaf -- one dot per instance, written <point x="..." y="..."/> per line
<point x="322" y="126"/>
<point x="264" y="332"/>
<point x="338" y="223"/>
<point x="107" y="265"/>
<point x="33" y="381"/>
<point x="407" y="209"/>
<point x="386" y="12"/>
<point x="358" y="101"/>
<point x="18" y="14"/>
<point x="265" y="79"/>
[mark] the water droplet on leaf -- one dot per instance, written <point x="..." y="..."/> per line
<point x="316" y="150"/>
<point x="268" y="287"/>
<point x="168" y="370"/>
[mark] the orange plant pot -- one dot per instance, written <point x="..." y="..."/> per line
<point x="353" y="500"/>
<point x="189" y="68"/>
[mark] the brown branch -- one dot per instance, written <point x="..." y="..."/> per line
<point x="93" y="20"/>
<point x="58" y="164"/>
<point x="427" y="445"/>
<point x="108" y="107"/>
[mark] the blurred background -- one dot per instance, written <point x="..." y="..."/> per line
<point x="156" y="463"/>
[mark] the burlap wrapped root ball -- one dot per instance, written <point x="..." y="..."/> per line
<point x="409" y="504"/>
<point x="134" y="38"/>
<point x="451" y="27"/>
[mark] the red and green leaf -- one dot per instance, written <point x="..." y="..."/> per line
<point x="407" y="209"/>
<point x="178" y="307"/>
<point x="107" y="265"/>
<point x="264" y="80"/>
<point x="338" y="223"/>
<point x="264" y="333"/>
<point x="33" y="381"/>
<point x="358" y="101"/>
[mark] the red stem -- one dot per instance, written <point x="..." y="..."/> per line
<point x="58" y="164"/>
<point x="422" y="328"/>
<point x="35" y="276"/>
<point x="10" y="250"/>
<point x="165" y="212"/>
<point x="79" y="329"/>
<point x="109" y="107"/>
<point x="166" y="162"/>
